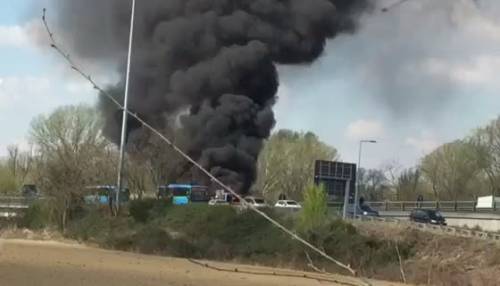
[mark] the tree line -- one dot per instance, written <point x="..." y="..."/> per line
<point x="460" y="170"/>
<point x="69" y="152"/>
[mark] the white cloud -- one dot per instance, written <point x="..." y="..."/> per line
<point x="15" y="36"/>
<point x="22" y="98"/>
<point x="78" y="87"/>
<point x="423" y="144"/>
<point x="284" y="93"/>
<point x="479" y="70"/>
<point x="21" y="36"/>
<point x="19" y="91"/>
<point x="364" y="129"/>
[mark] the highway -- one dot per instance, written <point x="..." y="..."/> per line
<point x="457" y="214"/>
<point x="485" y="221"/>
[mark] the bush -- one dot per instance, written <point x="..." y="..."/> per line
<point x="222" y="233"/>
<point x="37" y="216"/>
<point x="314" y="212"/>
<point x="148" y="209"/>
<point x="342" y="241"/>
<point x="8" y="183"/>
<point x="98" y="227"/>
<point x="151" y="240"/>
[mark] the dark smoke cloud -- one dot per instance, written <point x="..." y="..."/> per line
<point x="214" y="58"/>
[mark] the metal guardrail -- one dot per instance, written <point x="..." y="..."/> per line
<point x="446" y="206"/>
<point x="13" y="207"/>
<point x="450" y="230"/>
<point x="16" y="203"/>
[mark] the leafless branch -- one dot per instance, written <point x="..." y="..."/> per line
<point x="401" y="269"/>
<point x="311" y="265"/>
<point x="319" y="278"/>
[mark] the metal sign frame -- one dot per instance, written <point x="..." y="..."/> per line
<point x="332" y="173"/>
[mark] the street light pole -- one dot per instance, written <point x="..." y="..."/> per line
<point x="125" y="111"/>
<point x="356" y="193"/>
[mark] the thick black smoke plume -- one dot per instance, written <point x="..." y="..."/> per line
<point x="213" y="61"/>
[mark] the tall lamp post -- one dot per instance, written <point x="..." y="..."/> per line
<point x="356" y="193"/>
<point x="125" y="111"/>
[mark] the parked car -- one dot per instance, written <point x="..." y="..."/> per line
<point x="289" y="204"/>
<point x="427" y="216"/>
<point x="216" y="202"/>
<point x="256" y="202"/>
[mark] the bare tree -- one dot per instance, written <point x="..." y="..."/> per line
<point x="13" y="153"/>
<point x="391" y="172"/>
<point x="408" y="184"/>
<point x="139" y="177"/>
<point x="151" y="164"/>
<point x="7" y="181"/>
<point x="486" y="143"/>
<point x="286" y="164"/>
<point x="373" y="184"/>
<point x="452" y="168"/>
<point x="20" y="163"/>
<point x="430" y="167"/>
<point x="72" y="154"/>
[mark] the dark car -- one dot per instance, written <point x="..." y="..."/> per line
<point x="427" y="216"/>
<point x="363" y="210"/>
<point x="366" y="210"/>
<point x="30" y="191"/>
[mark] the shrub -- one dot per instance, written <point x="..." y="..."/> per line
<point x="139" y="209"/>
<point x="314" y="212"/>
<point x="95" y="226"/>
<point x="222" y="233"/>
<point x="151" y="240"/>
<point x="37" y="216"/>
<point x="344" y="242"/>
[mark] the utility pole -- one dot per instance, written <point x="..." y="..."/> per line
<point x="356" y="193"/>
<point x="125" y="112"/>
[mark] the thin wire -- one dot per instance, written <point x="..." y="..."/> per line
<point x="393" y="5"/>
<point x="188" y="158"/>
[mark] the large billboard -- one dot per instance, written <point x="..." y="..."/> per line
<point x="334" y="176"/>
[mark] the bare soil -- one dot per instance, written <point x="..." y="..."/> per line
<point x="40" y="263"/>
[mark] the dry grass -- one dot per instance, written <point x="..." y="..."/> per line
<point x="13" y="232"/>
<point x="441" y="259"/>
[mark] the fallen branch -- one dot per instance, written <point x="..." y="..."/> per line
<point x="311" y="265"/>
<point x="274" y="273"/>
<point x="401" y="269"/>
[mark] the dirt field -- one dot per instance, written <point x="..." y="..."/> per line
<point x="25" y="263"/>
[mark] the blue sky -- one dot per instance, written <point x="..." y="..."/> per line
<point x="32" y="81"/>
<point x="412" y="79"/>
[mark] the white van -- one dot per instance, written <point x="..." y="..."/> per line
<point x="487" y="202"/>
